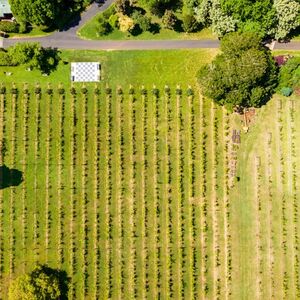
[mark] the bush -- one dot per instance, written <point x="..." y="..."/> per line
<point x="103" y="27"/>
<point x="2" y="90"/>
<point x="189" y="23"/>
<point x="123" y="7"/>
<point x="5" y="59"/>
<point x="286" y="91"/>
<point x="126" y="24"/>
<point x="141" y="20"/>
<point x="114" y="21"/>
<point x="7" y="26"/>
<point x="169" y="19"/>
<point x="84" y="90"/>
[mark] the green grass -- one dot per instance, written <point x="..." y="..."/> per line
<point x="123" y="67"/>
<point x="89" y="32"/>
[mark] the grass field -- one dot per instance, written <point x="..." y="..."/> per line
<point x="123" y="67"/>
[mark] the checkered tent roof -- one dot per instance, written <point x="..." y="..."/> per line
<point x="85" y="71"/>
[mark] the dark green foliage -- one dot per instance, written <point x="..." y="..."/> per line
<point x="244" y="75"/>
<point x="33" y="56"/>
<point x="7" y="26"/>
<point x="141" y="20"/>
<point x="84" y="90"/>
<point x="46" y="13"/>
<point x="123" y="6"/>
<point x="258" y="16"/>
<point x="104" y="26"/>
<point x="5" y="59"/>
<point x="72" y="91"/>
<point x="289" y="75"/>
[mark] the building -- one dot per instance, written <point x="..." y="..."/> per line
<point x="5" y="11"/>
<point x="85" y="72"/>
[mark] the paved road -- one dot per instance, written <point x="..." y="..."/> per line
<point x="67" y="39"/>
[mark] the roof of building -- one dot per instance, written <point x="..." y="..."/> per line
<point x="4" y="8"/>
<point x="85" y="71"/>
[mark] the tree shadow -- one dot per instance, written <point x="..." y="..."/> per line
<point x="50" y="60"/>
<point x="10" y="177"/>
<point x="62" y="277"/>
<point x="154" y="28"/>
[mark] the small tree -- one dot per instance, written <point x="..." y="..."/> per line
<point x="103" y="27"/>
<point x="141" y="20"/>
<point x="123" y="7"/>
<point x="169" y="19"/>
<point x="189" y="23"/>
<point x="126" y="24"/>
<point x="42" y="283"/>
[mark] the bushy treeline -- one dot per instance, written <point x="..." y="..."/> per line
<point x="45" y="13"/>
<point x="268" y="18"/>
<point x="31" y="55"/>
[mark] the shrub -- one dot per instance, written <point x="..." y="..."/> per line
<point x="5" y="59"/>
<point x="14" y="90"/>
<point x="123" y="6"/>
<point x="103" y="27"/>
<point x="61" y="91"/>
<point x="84" y="90"/>
<point x="8" y="26"/>
<point x="119" y="91"/>
<point x="72" y="91"/>
<point x="286" y="91"/>
<point x="169" y="19"/>
<point x="141" y="20"/>
<point x="97" y="91"/>
<point x="143" y="91"/>
<point x="126" y="24"/>
<point x="114" y="21"/>
<point x="155" y="91"/>
<point x="49" y="91"/>
<point x="37" y="90"/>
<point x="131" y="91"/>
<point x="108" y="91"/>
<point x="190" y="92"/>
<point x="189" y="23"/>
<point x="2" y="90"/>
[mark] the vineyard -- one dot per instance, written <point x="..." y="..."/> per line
<point x="128" y="189"/>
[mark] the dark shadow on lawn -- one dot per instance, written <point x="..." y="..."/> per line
<point x="10" y="177"/>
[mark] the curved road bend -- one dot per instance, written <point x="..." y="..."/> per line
<point x="67" y="38"/>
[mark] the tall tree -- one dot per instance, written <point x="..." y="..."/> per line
<point x="243" y="75"/>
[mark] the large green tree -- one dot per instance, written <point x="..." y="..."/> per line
<point x="41" y="284"/>
<point x="45" y="13"/>
<point x="243" y="75"/>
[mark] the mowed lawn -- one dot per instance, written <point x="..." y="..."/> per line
<point x="122" y="67"/>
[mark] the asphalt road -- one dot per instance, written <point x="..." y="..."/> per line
<point x="67" y="39"/>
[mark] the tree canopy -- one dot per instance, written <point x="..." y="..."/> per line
<point x="45" y="13"/>
<point x="243" y="75"/>
<point x="42" y="283"/>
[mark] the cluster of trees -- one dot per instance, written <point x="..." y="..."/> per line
<point x="45" y="13"/>
<point x="243" y="75"/>
<point x="31" y="55"/>
<point x="268" y="18"/>
<point x="42" y="283"/>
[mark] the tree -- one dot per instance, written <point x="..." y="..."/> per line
<point x="189" y="23"/>
<point x="141" y="20"/>
<point x="288" y="12"/>
<point x="169" y="19"/>
<point x="45" y="13"/>
<point x="126" y="24"/>
<point x="42" y="283"/>
<point x="123" y="7"/>
<point x="103" y="26"/>
<point x="243" y="75"/>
